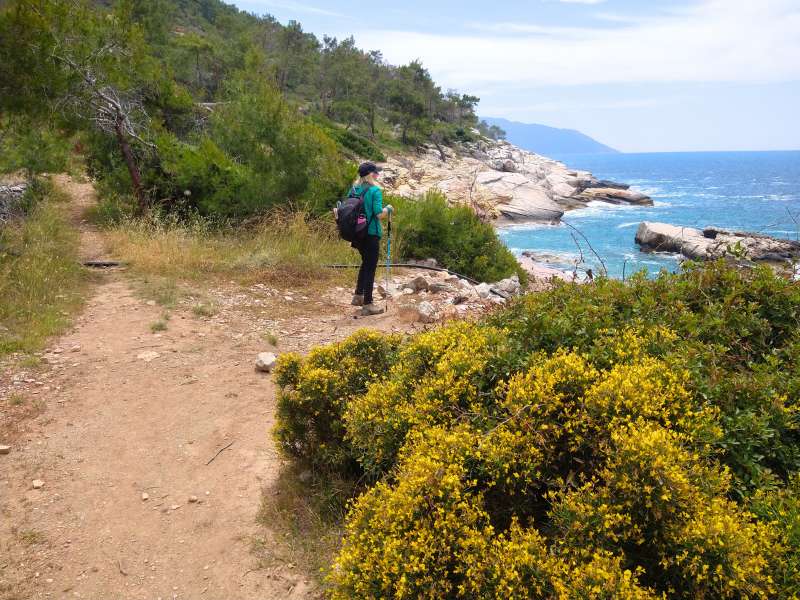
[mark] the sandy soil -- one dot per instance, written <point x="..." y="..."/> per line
<point x="130" y="506"/>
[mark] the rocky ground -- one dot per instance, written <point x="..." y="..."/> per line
<point x="133" y="462"/>
<point x="10" y="195"/>
<point x="502" y="182"/>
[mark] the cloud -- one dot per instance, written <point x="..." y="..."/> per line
<point x="711" y="41"/>
<point x="582" y="1"/>
<point x="299" y="7"/>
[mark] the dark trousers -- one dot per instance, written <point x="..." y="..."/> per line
<point x="368" y="248"/>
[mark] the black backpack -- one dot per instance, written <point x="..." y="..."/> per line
<point x="351" y="218"/>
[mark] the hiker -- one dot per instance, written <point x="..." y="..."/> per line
<point x="369" y="246"/>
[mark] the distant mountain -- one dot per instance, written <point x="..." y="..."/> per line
<point x="545" y="140"/>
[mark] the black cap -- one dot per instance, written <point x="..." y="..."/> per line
<point x="366" y="168"/>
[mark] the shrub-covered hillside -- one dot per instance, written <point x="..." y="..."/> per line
<point x="618" y="440"/>
<point x="197" y="108"/>
<point x="197" y="105"/>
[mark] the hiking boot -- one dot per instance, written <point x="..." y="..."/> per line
<point x="358" y="300"/>
<point x="370" y="310"/>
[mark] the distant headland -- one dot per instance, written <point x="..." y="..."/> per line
<point x="549" y="141"/>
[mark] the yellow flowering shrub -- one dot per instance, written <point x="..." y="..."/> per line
<point x="424" y="536"/>
<point x="439" y="377"/>
<point x="780" y="507"/>
<point x="653" y="390"/>
<point x="315" y="391"/>
<point x="604" y="577"/>
<point x="664" y="506"/>
<point x="620" y="440"/>
<point x="432" y="535"/>
<point x="633" y="342"/>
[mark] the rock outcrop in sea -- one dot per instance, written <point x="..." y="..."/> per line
<point x="502" y="182"/>
<point x="712" y="243"/>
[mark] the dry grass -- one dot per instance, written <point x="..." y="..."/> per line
<point x="41" y="281"/>
<point x="308" y="513"/>
<point x="283" y="248"/>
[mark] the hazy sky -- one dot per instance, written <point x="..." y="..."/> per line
<point x="637" y="75"/>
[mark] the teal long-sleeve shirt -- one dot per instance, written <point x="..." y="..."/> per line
<point x="373" y="206"/>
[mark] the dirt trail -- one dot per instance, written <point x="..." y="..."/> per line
<point x="83" y="197"/>
<point x="127" y="412"/>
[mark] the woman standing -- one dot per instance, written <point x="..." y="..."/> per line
<point x="369" y="247"/>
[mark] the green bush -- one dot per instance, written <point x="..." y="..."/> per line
<point x="430" y="228"/>
<point x="33" y="147"/>
<point x="591" y="441"/>
<point x="357" y="146"/>
<point x="289" y="159"/>
<point x="256" y="152"/>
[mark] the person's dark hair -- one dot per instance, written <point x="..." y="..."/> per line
<point x="366" y="168"/>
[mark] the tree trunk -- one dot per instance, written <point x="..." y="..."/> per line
<point x="130" y="161"/>
<point x="372" y="122"/>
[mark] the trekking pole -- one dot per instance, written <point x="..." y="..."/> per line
<point x="388" y="257"/>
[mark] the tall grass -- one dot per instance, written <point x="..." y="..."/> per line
<point x="41" y="280"/>
<point x="283" y="247"/>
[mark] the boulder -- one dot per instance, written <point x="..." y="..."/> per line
<point x="266" y="361"/>
<point x="440" y="287"/>
<point x="509" y="166"/>
<point x="484" y="290"/>
<point x="662" y="237"/>
<point x="509" y="285"/>
<point x="713" y="243"/>
<point x="392" y="292"/>
<point x="417" y="284"/>
<point x="10" y="197"/>
<point x="426" y="313"/>
<point x="617" y="196"/>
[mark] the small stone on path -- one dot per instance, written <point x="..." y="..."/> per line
<point x="37" y="484"/>
<point x="193" y="499"/>
<point x="145" y="496"/>
<point x="5" y="449"/>
<point x="148" y="355"/>
<point x="265" y="362"/>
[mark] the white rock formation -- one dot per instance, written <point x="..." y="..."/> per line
<point x="501" y="181"/>
<point x="712" y="243"/>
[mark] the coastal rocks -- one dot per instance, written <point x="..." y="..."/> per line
<point x="501" y="181"/>
<point x="434" y="296"/>
<point x="617" y="196"/>
<point x="712" y="243"/>
<point x="510" y="286"/>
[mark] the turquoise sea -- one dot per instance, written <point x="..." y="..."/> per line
<point x="751" y="191"/>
